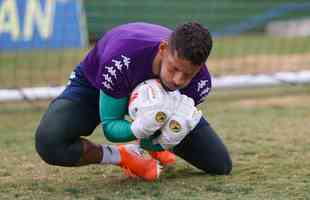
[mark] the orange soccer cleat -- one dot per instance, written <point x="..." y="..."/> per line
<point x="164" y="157"/>
<point x="137" y="166"/>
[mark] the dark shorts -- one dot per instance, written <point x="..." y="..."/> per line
<point x="80" y="89"/>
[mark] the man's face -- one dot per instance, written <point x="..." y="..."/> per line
<point x="175" y="72"/>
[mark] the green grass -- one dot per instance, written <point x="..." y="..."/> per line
<point x="265" y="129"/>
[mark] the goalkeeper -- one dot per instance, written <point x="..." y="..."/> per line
<point x="98" y="92"/>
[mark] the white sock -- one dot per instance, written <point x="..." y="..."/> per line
<point x="111" y="154"/>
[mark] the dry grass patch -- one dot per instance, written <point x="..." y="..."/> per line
<point x="287" y="101"/>
<point x="254" y="64"/>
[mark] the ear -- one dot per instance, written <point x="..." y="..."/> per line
<point x="163" y="47"/>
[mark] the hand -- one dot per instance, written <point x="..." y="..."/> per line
<point x="184" y="119"/>
<point x="150" y="106"/>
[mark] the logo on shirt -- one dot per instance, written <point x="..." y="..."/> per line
<point x="111" y="71"/>
<point x="203" y="89"/>
<point x="117" y="66"/>
<point x="126" y="61"/>
<point x="202" y="84"/>
<point x="107" y="78"/>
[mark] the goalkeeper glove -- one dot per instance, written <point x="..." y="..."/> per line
<point x="184" y="119"/>
<point x="150" y="108"/>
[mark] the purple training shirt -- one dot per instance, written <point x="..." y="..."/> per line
<point x="123" y="58"/>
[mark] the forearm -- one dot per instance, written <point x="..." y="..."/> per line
<point x="112" y="112"/>
<point x="118" y="130"/>
<point x="147" y="144"/>
<point x="115" y="127"/>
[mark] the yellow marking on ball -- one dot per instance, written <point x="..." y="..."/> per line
<point x="175" y="126"/>
<point x="160" y="117"/>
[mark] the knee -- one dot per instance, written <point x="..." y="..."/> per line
<point x="226" y="168"/>
<point x="223" y="167"/>
<point x="44" y="146"/>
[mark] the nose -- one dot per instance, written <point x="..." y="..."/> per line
<point x="178" y="79"/>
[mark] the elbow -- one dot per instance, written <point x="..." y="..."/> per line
<point x="109" y="135"/>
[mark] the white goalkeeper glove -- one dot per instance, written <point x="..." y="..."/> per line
<point x="150" y="107"/>
<point x="184" y="119"/>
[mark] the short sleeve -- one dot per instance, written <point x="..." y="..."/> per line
<point x="199" y="87"/>
<point x="112" y="76"/>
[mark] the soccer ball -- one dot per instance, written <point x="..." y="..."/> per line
<point x="146" y="95"/>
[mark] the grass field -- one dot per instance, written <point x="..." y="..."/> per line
<point x="266" y="131"/>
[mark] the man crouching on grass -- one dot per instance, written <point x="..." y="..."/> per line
<point x="99" y="91"/>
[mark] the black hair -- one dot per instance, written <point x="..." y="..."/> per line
<point x="192" y="42"/>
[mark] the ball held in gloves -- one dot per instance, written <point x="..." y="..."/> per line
<point x="150" y="107"/>
<point x="146" y="96"/>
